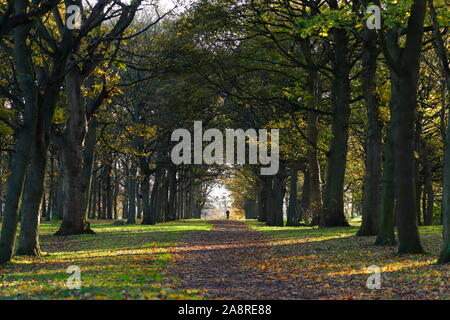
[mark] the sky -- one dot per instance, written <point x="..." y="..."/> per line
<point x="220" y="191"/>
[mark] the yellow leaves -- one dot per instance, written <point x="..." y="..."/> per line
<point x="191" y="291"/>
<point x="105" y="77"/>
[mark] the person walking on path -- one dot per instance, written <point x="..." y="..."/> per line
<point x="228" y="214"/>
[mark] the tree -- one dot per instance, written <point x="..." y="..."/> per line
<point x="404" y="65"/>
<point x="442" y="53"/>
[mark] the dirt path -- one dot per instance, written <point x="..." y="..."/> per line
<point x="221" y="262"/>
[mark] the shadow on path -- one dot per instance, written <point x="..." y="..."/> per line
<point x="219" y="262"/>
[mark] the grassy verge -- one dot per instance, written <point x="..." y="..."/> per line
<point x="333" y="263"/>
<point x="120" y="262"/>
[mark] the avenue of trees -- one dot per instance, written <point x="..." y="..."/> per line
<point x="86" y="114"/>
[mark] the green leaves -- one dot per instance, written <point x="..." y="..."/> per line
<point x="320" y="25"/>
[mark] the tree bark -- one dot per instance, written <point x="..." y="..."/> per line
<point x="33" y="192"/>
<point x="408" y="234"/>
<point x="88" y="161"/>
<point x="172" y="176"/>
<point x="428" y="190"/>
<point x="386" y="235"/>
<point x="263" y="196"/>
<point x="445" y="68"/>
<point x="386" y="232"/>
<point x="24" y="136"/>
<point x="279" y="191"/>
<point x="371" y="196"/>
<point x="333" y="209"/>
<point x="305" y="201"/>
<point x="148" y="214"/>
<point x="293" y="218"/>
<point x="132" y="195"/>
<point x="74" y="217"/>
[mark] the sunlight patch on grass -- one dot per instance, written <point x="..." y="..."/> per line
<point x="333" y="263"/>
<point x="119" y="262"/>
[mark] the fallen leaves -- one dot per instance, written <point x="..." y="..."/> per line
<point x="233" y="262"/>
<point x="120" y="262"/>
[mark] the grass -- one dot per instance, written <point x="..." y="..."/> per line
<point x="120" y="262"/>
<point x="334" y="263"/>
<point x="133" y="262"/>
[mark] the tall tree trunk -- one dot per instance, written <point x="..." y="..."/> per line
<point x="88" y="161"/>
<point x="386" y="231"/>
<point x="371" y="197"/>
<point x="445" y="253"/>
<point x="109" y="202"/>
<point x="293" y="218"/>
<point x="333" y="210"/>
<point x="138" y="199"/>
<point x="417" y="163"/>
<point x="1" y="185"/>
<point x="442" y="53"/>
<point x="428" y="191"/>
<point x="164" y="198"/>
<point x="33" y="192"/>
<point x="279" y="190"/>
<point x="315" y="181"/>
<point x="408" y="234"/>
<point x="305" y="201"/>
<point x="263" y="196"/>
<point x="132" y="194"/>
<point x="386" y="235"/>
<point x="172" y="176"/>
<point x="270" y="201"/>
<point x="115" y="192"/>
<point x="148" y="214"/>
<point x="314" y="196"/>
<point x="24" y="135"/>
<point x="92" y="207"/>
<point x="74" y="218"/>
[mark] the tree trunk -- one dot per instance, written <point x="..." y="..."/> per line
<point x="445" y="253"/>
<point x="74" y="217"/>
<point x="386" y="235"/>
<point x="25" y="136"/>
<point x="33" y="192"/>
<point x="93" y="203"/>
<point x="408" y="234"/>
<point x="263" y="194"/>
<point x="386" y="232"/>
<point x="108" y="191"/>
<point x="293" y="218"/>
<point x="148" y="214"/>
<point x="132" y="195"/>
<point x="88" y="161"/>
<point x="271" y="205"/>
<point x="315" y="181"/>
<point x="428" y="190"/>
<point x="305" y="201"/>
<point x="333" y="210"/>
<point x="115" y="192"/>
<point x="279" y="191"/>
<point x="417" y="171"/>
<point x="371" y="196"/>
<point x="445" y="68"/>
<point x="172" y="176"/>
